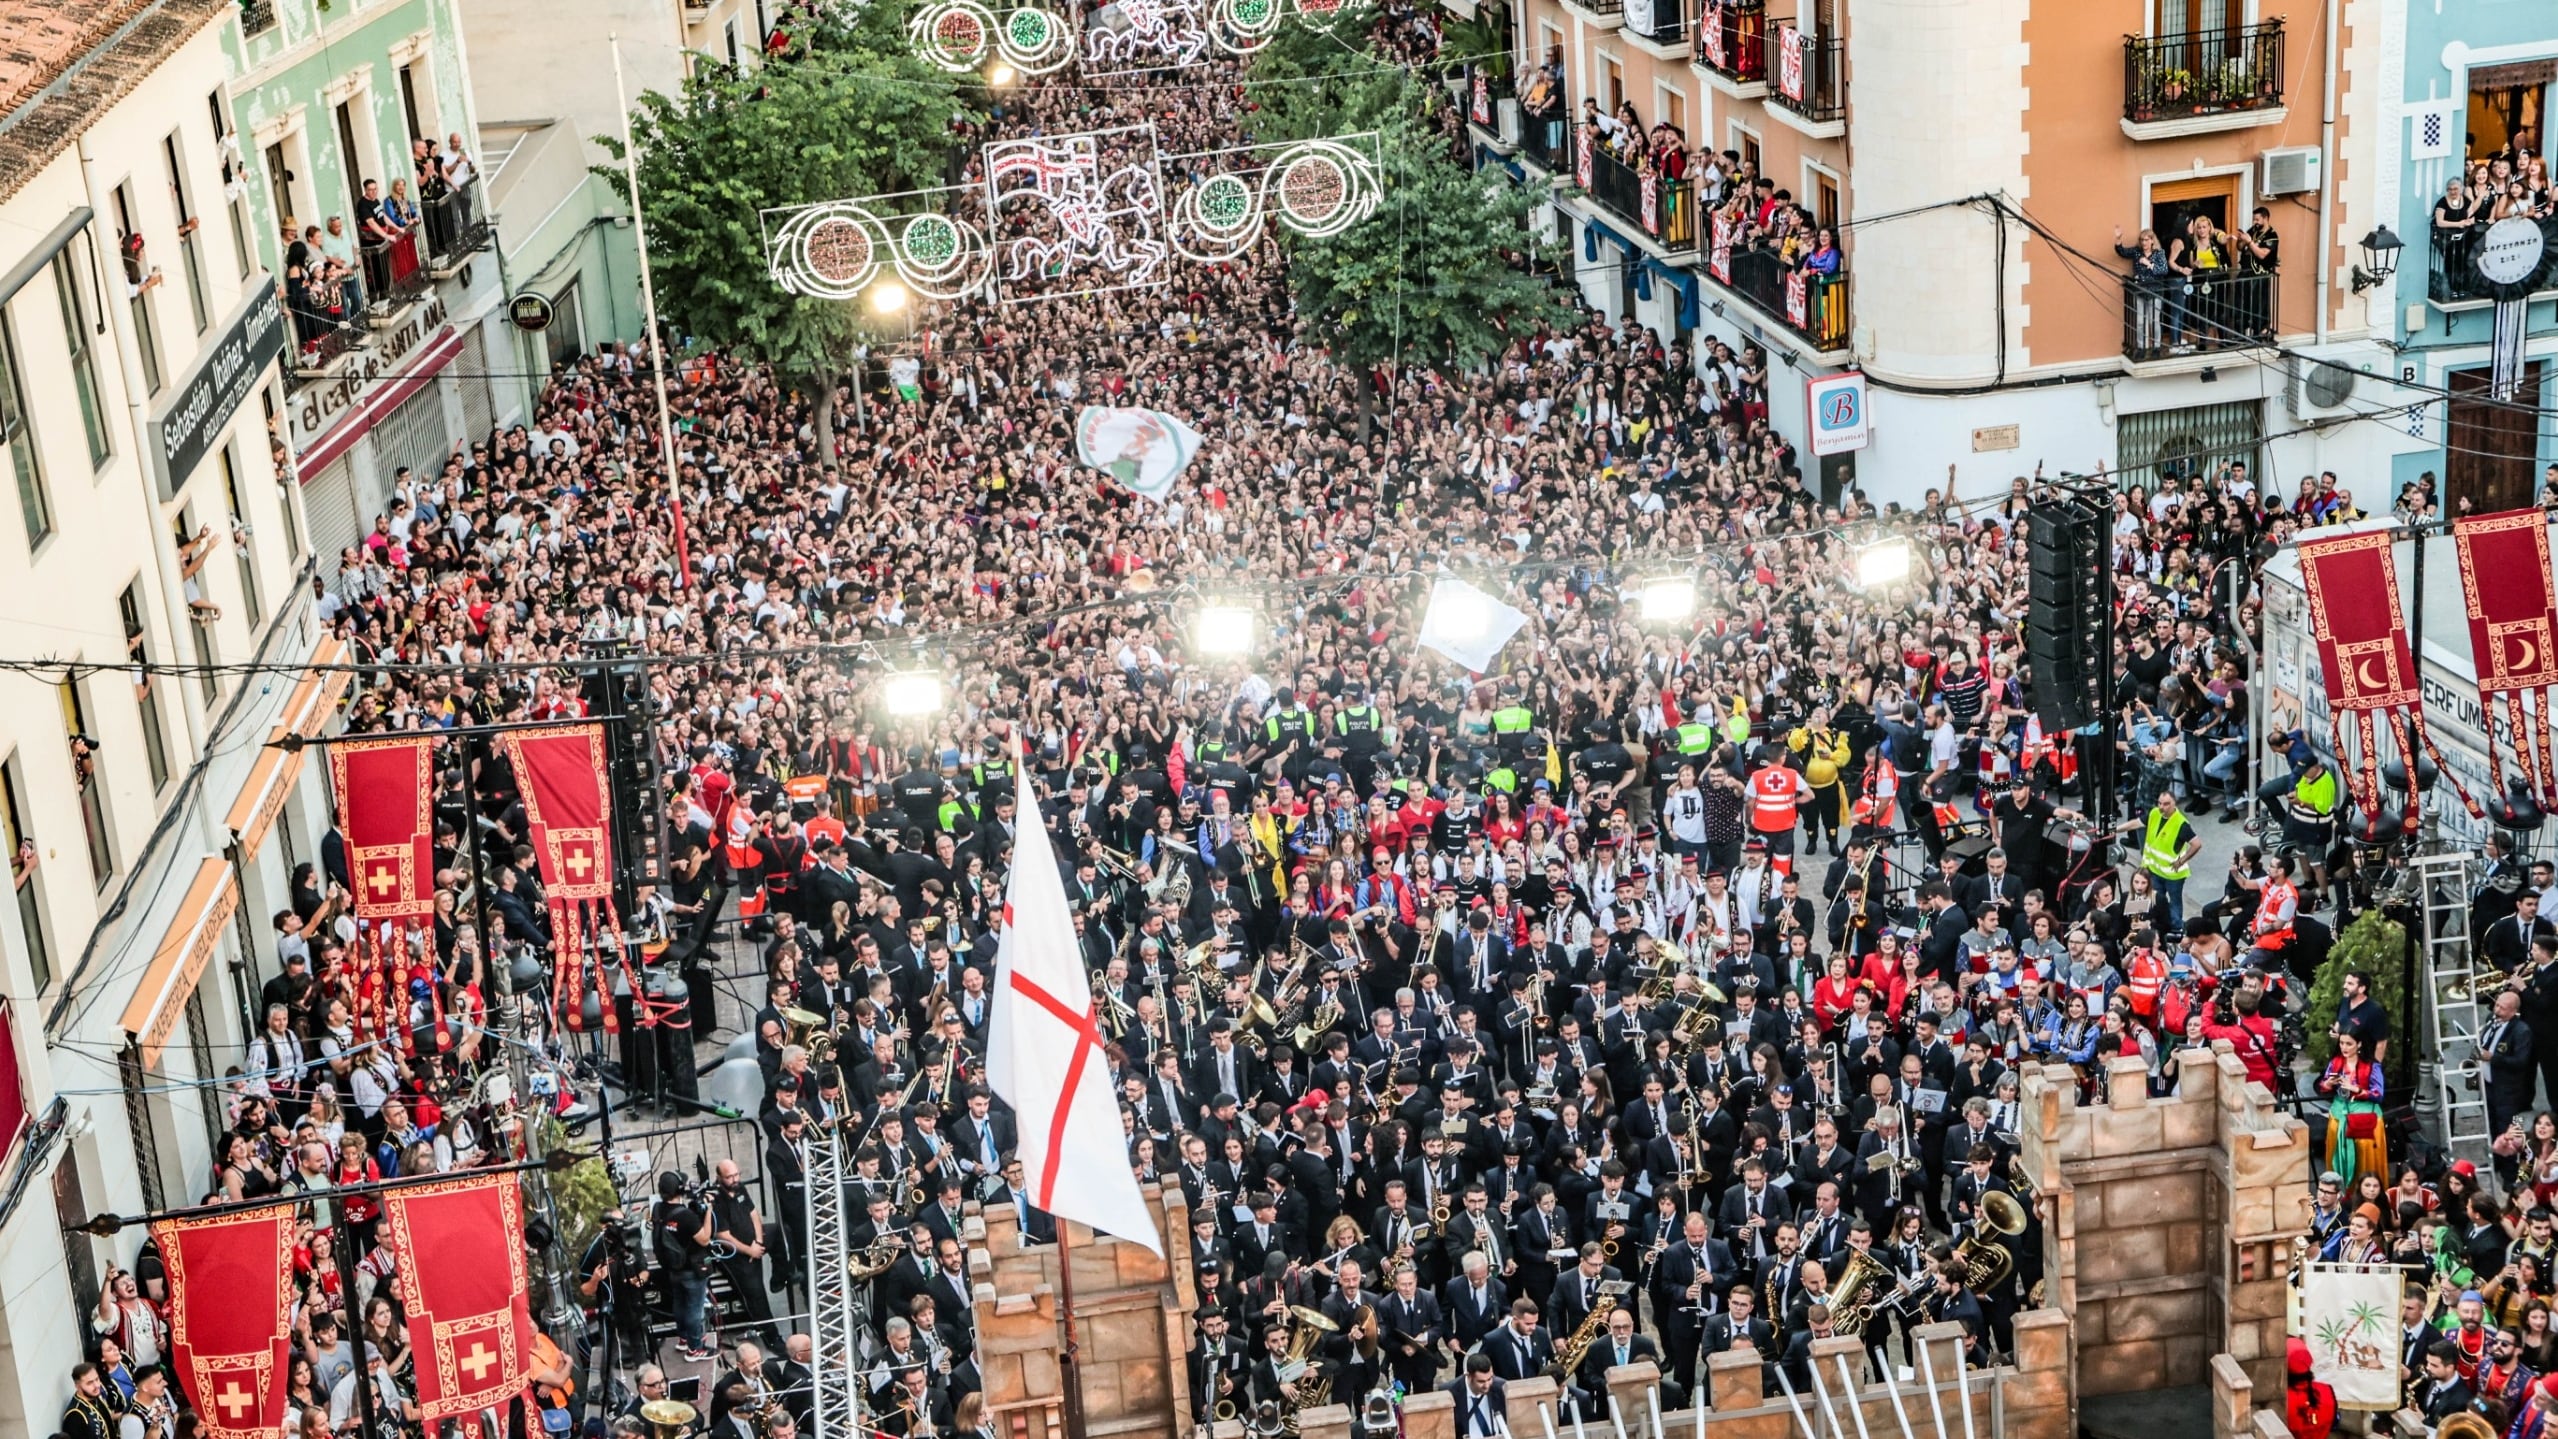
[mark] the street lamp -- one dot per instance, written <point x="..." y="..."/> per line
<point x="1225" y="630"/>
<point x="1665" y="599"/>
<point x="2380" y="258"/>
<point x="916" y="692"/>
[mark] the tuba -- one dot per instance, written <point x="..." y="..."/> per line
<point x="808" y="1031"/>
<point x="1862" y="1288"/>
<point x="1985" y="1260"/>
<point x="1312" y="1387"/>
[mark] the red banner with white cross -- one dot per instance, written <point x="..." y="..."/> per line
<point x="568" y="813"/>
<point x="231" y="1316"/>
<point x="386" y="810"/>
<point x="460" y="1249"/>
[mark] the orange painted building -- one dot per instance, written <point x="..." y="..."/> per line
<point x="1975" y="159"/>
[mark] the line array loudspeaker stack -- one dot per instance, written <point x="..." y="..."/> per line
<point x="2069" y="619"/>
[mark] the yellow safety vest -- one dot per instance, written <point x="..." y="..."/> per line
<point x="2160" y="842"/>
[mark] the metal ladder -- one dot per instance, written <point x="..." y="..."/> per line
<point x="2449" y="993"/>
<point x="834" y="1352"/>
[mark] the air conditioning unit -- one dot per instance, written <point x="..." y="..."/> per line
<point x="2292" y="171"/>
<point x="2319" y="389"/>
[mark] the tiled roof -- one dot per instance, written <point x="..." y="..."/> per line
<point x="64" y="62"/>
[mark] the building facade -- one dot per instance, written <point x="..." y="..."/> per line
<point x="1973" y="164"/>
<point x="152" y="520"/>
<point x="331" y="103"/>
<point x="2471" y="84"/>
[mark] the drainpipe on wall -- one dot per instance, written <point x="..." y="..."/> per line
<point x="137" y="400"/>
<point x="2327" y="166"/>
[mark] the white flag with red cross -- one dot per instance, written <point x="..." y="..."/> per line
<point x="1044" y="1052"/>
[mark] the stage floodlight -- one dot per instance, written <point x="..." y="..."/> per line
<point x="1886" y="562"/>
<point x="1224" y="630"/>
<point x="887" y="298"/>
<point x="1665" y="599"/>
<point x="914" y="693"/>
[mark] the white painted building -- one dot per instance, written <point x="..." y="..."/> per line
<point x="150" y="828"/>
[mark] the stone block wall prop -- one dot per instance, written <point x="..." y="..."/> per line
<point x="1132" y="1323"/>
<point x="2164" y="1220"/>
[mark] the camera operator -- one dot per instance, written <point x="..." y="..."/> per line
<point x="613" y="1275"/>
<point x="680" y="1227"/>
<point x="2251" y="1035"/>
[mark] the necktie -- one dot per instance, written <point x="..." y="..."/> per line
<point x="1620" y="1356"/>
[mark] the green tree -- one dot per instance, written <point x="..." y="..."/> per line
<point x="2376" y="945"/>
<point x="855" y="113"/>
<point x="1426" y="276"/>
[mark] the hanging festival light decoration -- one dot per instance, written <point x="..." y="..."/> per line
<point x="962" y="35"/>
<point x="1123" y="37"/>
<point x="1077" y="214"/>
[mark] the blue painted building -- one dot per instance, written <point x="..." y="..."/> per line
<point x="2472" y="80"/>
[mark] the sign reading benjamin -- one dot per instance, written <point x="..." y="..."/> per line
<point x="227" y="371"/>
<point x="1836" y="404"/>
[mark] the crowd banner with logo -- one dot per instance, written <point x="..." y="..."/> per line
<point x="231" y="1316"/>
<point x="2513" y="619"/>
<point x="386" y="807"/>
<point x="567" y="811"/>
<point x="2361" y="630"/>
<point x="460" y="1248"/>
<point x="2349" y="1316"/>
<point x="1145" y="450"/>
<point x="1710" y="27"/>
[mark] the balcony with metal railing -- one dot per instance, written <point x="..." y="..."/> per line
<point x="456" y="226"/>
<point x="256" y="17"/>
<point x="1731" y="46"/>
<point x="2453" y="276"/>
<point x="1545" y="129"/>
<point x="1665" y="210"/>
<point x="1806" y="303"/>
<point x="1659" y="27"/>
<point x="2201" y="81"/>
<point x="1600" y="14"/>
<point x="2167" y="319"/>
<point x="1809" y="87"/>
<point x="393" y="274"/>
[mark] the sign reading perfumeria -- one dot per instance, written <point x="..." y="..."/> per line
<point x="225" y="374"/>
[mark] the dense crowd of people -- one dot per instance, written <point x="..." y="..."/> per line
<point x="1661" y="990"/>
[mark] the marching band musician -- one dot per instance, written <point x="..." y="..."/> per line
<point x="1219" y="1368"/>
<point x="1412" y="1329"/>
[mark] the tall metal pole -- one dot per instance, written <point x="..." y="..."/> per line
<point x="648" y="316"/>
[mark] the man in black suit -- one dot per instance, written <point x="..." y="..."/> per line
<point x="981" y="1138"/>
<point x="1739" y="1323"/>
<point x="1038" y="1226"/>
<point x="1473" y="1303"/>
<point x="1264" y="1236"/>
<point x="2441" y="1393"/>
<point x="1218" y="1365"/>
<point x="1577" y="1289"/>
<point x="1482" y="1398"/>
<point x="1685" y="1286"/>
<point x="1941" y="947"/>
<point x="2505" y="1044"/>
<point x="1224" y="1067"/>
<point x="1520" y="1349"/>
<point x="1751" y="1212"/>
<point x="1620" y="1347"/>
<point x="1410" y="1330"/>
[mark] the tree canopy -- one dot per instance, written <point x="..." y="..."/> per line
<point x="851" y="113"/>
<point x="1424" y="278"/>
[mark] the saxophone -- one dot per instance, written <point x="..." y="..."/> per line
<point x="1575" y="1348"/>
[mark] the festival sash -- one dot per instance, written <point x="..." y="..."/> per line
<point x="560" y="772"/>
<point x="386" y="807"/>
<point x="2363" y="654"/>
<point x="230" y="1316"/>
<point x="2513" y="617"/>
<point x="460" y="1248"/>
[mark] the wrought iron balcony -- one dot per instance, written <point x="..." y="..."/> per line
<point x="2176" y="77"/>
<point x="2453" y="276"/>
<point x="1812" y="305"/>
<point x="1662" y="209"/>
<point x="1811" y="75"/>
<point x="1662" y="22"/>
<point x="2166" y="318"/>
<point x="1731" y="39"/>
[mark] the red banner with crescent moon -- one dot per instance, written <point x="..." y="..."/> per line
<point x="2363" y="654"/>
<point x="231" y="1316"/>
<point x="2513" y="616"/>
<point x="460" y="1248"/>
<point x="386" y="810"/>
<point x="567" y="809"/>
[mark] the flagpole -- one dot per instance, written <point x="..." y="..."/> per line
<point x="1069" y="1355"/>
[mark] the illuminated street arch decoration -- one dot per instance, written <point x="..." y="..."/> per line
<point x="1119" y="38"/>
<point x="836" y="249"/>
<point x="1064" y="215"/>
<point x="1314" y="188"/>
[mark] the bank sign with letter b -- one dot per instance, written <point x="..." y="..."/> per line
<point x="1836" y="404"/>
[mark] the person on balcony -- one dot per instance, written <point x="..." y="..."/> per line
<point x="2455" y="222"/>
<point x="1669" y="152"/>
<point x="2260" y="252"/>
<point x="1541" y="100"/>
<point x="372" y="217"/>
<point x="2151" y="275"/>
<point x="1628" y="138"/>
<point x="1823" y="258"/>
<point x="2201" y="260"/>
<point x="397" y="208"/>
<point x="433" y="191"/>
<point x="338" y="243"/>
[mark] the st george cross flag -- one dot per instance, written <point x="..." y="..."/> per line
<point x="1467" y="625"/>
<point x="230" y="1315"/>
<point x="1044" y="1050"/>
<point x="1146" y="450"/>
